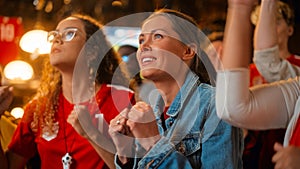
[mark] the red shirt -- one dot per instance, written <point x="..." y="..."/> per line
<point x="294" y="59"/>
<point x="295" y="140"/>
<point x="256" y="78"/>
<point x="111" y="100"/>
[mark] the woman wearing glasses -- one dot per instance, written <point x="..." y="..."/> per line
<point x="44" y="128"/>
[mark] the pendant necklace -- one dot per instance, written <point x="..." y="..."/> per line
<point x="67" y="158"/>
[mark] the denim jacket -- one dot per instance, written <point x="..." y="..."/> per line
<point x="194" y="136"/>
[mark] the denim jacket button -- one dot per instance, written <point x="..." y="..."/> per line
<point x="181" y="148"/>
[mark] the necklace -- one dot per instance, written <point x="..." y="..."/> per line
<point x="67" y="158"/>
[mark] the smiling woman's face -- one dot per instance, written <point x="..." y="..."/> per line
<point x="160" y="53"/>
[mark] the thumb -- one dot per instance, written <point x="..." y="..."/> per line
<point x="124" y="113"/>
<point x="278" y="146"/>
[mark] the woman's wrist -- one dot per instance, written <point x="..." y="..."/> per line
<point x="148" y="143"/>
<point x="241" y="6"/>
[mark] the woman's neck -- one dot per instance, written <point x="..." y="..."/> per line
<point x="284" y="54"/>
<point x="67" y="87"/>
<point x="284" y="51"/>
<point x="168" y="89"/>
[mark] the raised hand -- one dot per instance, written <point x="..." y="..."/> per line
<point x="6" y="97"/>
<point x="243" y="2"/>
<point x="286" y="157"/>
<point x="73" y="120"/>
<point x="122" y="136"/>
<point x="142" y="124"/>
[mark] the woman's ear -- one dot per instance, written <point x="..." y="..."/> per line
<point x="290" y="30"/>
<point x="189" y="52"/>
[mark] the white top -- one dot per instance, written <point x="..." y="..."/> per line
<point x="272" y="67"/>
<point x="268" y="106"/>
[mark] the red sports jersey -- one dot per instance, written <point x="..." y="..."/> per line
<point x="255" y="77"/>
<point x="110" y="99"/>
<point x="295" y="140"/>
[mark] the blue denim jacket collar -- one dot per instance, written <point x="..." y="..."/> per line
<point x="190" y="82"/>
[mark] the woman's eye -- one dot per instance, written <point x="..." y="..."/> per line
<point x="157" y="36"/>
<point x="69" y="35"/>
<point x="141" y="41"/>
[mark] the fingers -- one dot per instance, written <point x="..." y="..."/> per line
<point x="6" y="97"/>
<point x="72" y="118"/>
<point x="278" y="155"/>
<point x="118" y="124"/>
<point x="141" y="112"/>
<point x="278" y="147"/>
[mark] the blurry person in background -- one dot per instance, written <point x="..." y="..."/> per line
<point x="267" y="106"/>
<point x="128" y="54"/>
<point x="214" y="51"/>
<point x="6" y="97"/>
<point x="272" y="57"/>
<point x="272" y="62"/>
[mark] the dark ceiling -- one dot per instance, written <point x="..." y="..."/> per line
<point x="45" y="13"/>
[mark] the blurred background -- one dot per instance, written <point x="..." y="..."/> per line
<point x="21" y="53"/>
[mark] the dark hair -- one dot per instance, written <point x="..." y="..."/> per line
<point x="99" y="50"/>
<point x="188" y="30"/>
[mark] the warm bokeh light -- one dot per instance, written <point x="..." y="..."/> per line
<point x="18" y="70"/>
<point x="17" y="112"/>
<point x="35" y="42"/>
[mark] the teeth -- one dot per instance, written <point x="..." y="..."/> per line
<point x="148" y="59"/>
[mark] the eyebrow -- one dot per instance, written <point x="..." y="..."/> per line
<point x="69" y="28"/>
<point x="153" y="31"/>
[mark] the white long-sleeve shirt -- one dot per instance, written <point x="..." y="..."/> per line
<point x="272" y="67"/>
<point x="275" y="105"/>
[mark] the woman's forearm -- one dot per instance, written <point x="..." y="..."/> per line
<point x="265" y="35"/>
<point x="237" y="38"/>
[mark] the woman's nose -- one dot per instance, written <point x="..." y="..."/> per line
<point x="146" y="46"/>
<point x="57" y="39"/>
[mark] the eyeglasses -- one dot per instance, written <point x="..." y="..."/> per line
<point x="66" y="35"/>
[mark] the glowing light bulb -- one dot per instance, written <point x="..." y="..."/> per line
<point x="18" y="70"/>
<point x="17" y="112"/>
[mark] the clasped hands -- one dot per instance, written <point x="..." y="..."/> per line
<point x="136" y="123"/>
